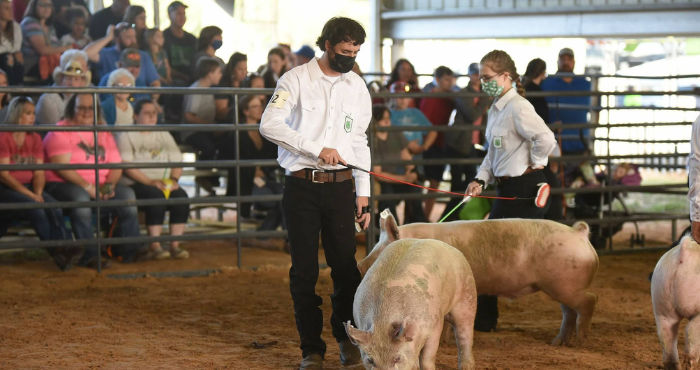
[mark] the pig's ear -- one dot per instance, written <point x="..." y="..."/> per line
<point x="402" y="331"/>
<point x="388" y="225"/>
<point x="357" y="337"/>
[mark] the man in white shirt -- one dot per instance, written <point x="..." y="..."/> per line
<point x="694" y="180"/>
<point x="318" y="116"/>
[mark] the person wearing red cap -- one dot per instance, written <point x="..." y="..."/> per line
<point x="403" y="114"/>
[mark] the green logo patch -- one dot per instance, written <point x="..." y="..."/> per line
<point x="348" y="124"/>
<point x="498" y="142"/>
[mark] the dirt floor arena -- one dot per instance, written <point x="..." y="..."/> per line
<point x="243" y="319"/>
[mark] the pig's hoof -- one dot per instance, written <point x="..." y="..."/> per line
<point x="560" y="340"/>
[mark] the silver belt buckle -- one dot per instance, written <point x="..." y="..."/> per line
<point x="313" y="177"/>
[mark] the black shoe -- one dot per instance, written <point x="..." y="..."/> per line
<point x="66" y="257"/>
<point x="349" y="353"/>
<point x="92" y="264"/>
<point x="484" y="327"/>
<point x="312" y="362"/>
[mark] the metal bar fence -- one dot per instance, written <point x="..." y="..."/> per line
<point x="238" y="163"/>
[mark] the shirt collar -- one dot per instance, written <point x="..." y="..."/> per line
<point x="316" y="73"/>
<point x="501" y="102"/>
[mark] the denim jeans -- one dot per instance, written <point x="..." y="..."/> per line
<point x="48" y="223"/>
<point x="81" y="218"/>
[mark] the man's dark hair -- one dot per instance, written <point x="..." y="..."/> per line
<point x="443" y="71"/>
<point x="341" y="29"/>
<point x="138" y="105"/>
<point x="205" y="66"/>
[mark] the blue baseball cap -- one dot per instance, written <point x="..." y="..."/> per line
<point x="306" y="51"/>
<point x="473" y="69"/>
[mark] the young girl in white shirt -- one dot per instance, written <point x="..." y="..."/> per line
<point x="519" y="144"/>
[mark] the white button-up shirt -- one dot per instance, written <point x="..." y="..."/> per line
<point x="694" y="172"/>
<point x="517" y="136"/>
<point x="308" y="112"/>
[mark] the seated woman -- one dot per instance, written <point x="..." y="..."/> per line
<point x="11" y="59"/>
<point x="257" y="180"/>
<point x="393" y="146"/>
<point x="155" y="183"/>
<point x="117" y="107"/>
<point x="41" y="47"/>
<point x="28" y="186"/>
<point x="78" y="147"/>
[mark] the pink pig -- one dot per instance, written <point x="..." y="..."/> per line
<point x="674" y="295"/>
<point x="515" y="257"/>
<point x="403" y="301"/>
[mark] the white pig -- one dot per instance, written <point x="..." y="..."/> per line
<point x="515" y="257"/>
<point x="675" y="288"/>
<point x="403" y="301"/>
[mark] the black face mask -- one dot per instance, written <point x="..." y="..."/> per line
<point x="341" y="63"/>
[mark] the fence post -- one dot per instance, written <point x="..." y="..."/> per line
<point x="371" y="230"/>
<point x="97" y="182"/>
<point x="238" y="181"/>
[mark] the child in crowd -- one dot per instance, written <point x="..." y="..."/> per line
<point x="154" y="46"/>
<point x="77" y="38"/>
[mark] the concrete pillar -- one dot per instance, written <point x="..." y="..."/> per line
<point x="397" y="51"/>
<point x="374" y="39"/>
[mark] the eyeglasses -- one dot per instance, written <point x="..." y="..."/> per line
<point x="45" y="5"/>
<point x="119" y="84"/>
<point x="485" y="79"/>
<point x="83" y="108"/>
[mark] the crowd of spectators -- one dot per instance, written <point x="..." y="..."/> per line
<point x="59" y="43"/>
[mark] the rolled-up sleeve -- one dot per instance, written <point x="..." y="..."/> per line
<point x="531" y="127"/>
<point x="359" y="146"/>
<point x="273" y="125"/>
<point x="694" y="172"/>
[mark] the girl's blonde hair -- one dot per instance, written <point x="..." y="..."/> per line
<point x="500" y="62"/>
<point x="14" y="110"/>
<point x="148" y="35"/>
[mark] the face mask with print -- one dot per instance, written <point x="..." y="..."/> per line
<point x="216" y="44"/>
<point x="341" y="63"/>
<point x="491" y="88"/>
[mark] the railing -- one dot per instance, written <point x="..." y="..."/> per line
<point x="237" y="163"/>
<point x="396" y="9"/>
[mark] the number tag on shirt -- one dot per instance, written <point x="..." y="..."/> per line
<point x="279" y="99"/>
<point x="498" y="142"/>
<point x="348" y="124"/>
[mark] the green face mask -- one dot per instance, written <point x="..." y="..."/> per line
<point x="491" y="88"/>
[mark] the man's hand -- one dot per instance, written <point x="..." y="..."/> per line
<point x="110" y="31"/>
<point x="331" y="156"/>
<point x="474" y="189"/>
<point x="695" y="227"/>
<point x="360" y="218"/>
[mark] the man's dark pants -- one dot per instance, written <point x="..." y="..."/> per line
<point x="326" y="208"/>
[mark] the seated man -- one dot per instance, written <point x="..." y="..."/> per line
<point x="131" y="61"/>
<point x="107" y="58"/>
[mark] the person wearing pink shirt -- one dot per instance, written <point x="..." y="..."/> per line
<point x="28" y="186"/>
<point x="78" y="147"/>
